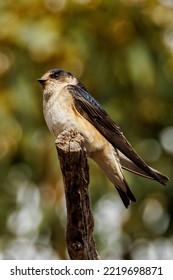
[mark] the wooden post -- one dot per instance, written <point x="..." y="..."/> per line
<point x="80" y="223"/>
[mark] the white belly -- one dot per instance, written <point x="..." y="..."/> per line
<point x="58" y="116"/>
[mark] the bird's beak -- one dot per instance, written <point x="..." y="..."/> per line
<point x="42" y="81"/>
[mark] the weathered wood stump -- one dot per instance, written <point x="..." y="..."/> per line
<point x="80" y="223"/>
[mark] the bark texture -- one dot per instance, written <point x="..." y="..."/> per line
<point x="80" y="223"/>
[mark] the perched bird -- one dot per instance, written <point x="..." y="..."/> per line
<point x="67" y="104"/>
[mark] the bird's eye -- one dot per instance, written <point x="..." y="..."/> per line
<point x="55" y="75"/>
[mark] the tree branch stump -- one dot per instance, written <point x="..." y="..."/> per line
<point x="80" y="223"/>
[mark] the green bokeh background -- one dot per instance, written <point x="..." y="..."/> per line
<point x="122" y="51"/>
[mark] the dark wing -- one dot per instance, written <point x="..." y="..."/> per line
<point x="91" y="110"/>
<point x="132" y="167"/>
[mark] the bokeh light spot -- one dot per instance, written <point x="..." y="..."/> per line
<point x="55" y="5"/>
<point x="5" y="63"/>
<point x="155" y="216"/>
<point x="149" y="149"/>
<point x="166" y="139"/>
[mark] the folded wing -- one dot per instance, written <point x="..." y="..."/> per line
<point x="91" y="110"/>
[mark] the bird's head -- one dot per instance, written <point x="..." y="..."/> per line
<point x="56" y="78"/>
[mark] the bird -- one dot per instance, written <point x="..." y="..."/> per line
<point x="68" y="104"/>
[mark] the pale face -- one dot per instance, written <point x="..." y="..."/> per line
<point x="57" y="78"/>
<point x="54" y="81"/>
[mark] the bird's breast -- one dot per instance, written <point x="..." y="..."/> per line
<point x="60" y="114"/>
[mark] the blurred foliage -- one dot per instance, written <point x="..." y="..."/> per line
<point x="123" y="52"/>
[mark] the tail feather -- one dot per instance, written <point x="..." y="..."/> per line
<point x="124" y="197"/>
<point x="127" y="195"/>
